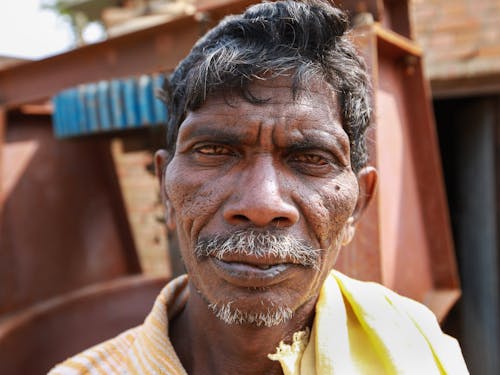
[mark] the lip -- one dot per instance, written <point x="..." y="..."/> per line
<point x="251" y="275"/>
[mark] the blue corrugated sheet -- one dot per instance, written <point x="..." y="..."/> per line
<point x="108" y="106"/>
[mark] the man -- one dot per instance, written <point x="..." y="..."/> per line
<point x="264" y="178"/>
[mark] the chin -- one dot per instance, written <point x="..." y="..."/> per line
<point x="264" y="317"/>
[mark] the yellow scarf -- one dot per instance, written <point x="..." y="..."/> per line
<point x="365" y="328"/>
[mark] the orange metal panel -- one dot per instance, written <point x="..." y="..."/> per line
<point x="62" y="224"/>
<point x="393" y="14"/>
<point x="36" y="339"/>
<point x="362" y="257"/>
<point x="3" y="126"/>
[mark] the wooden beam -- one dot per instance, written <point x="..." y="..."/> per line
<point x="154" y="49"/>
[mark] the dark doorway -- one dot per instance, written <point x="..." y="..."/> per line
<point x="469" y="133"/>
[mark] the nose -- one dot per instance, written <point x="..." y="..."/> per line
<point x="257" y="199"/>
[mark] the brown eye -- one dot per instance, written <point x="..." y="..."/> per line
<point x="213" y="150"/>
<point x="311" y="159"/>
<point x="318" y="164"/>
<point x="212" y="155"/>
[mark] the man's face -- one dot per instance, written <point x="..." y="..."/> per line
<point x="278" y="170"/>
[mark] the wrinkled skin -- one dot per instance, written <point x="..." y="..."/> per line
<point x="282" y="166"/>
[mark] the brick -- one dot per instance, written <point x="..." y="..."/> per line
<point x="461" y="38"/>
<point x="141" y="195"/>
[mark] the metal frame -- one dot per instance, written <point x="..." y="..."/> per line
<point x="154" y="49"/>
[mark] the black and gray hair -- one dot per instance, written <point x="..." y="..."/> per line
<point x="299" y="39"/>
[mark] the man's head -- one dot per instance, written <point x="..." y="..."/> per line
<point x="264" y="174"/>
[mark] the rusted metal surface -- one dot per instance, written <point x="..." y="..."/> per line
<point x="155" y="49"/>
<point x="396" y="17"/>
<point x="374" y="7"/>
<point x="392" y="14"/>
<point x="362" y="257"/>
<point x="36" y="339"/>
<point x="61" y="226"/>
<point x="428" y="165"/>
<point x="3" y="125"/>
<point x="414" y="243"/>
<point x="406" y="266"/>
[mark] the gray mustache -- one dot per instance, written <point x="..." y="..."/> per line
<point x="285" y="248"/>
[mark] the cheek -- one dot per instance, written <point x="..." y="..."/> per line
<point x="328" y="208"/>
<point x="194" y="197"/>
<point x="340" y="205"/>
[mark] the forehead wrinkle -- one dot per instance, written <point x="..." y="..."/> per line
<point x="227" y="128"/>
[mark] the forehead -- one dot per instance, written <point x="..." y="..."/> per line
<point x="311" y="109"/>
<point x="279" y="94"/>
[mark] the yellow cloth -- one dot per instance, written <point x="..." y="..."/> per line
<point x="365" y="328"/>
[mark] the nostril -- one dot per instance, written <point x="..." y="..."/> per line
<point x="280" y="221"/>
<point x="241" y="218"/>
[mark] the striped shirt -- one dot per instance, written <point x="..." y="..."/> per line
<point x="145" y="349"/>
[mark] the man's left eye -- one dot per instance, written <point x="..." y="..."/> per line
<point x="310" y="159"/>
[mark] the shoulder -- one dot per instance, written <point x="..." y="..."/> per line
<point x="108" y="357"/>
<point x="373" y="300"/>
<point x="371" y="294"/>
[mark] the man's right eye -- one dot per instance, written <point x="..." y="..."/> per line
<point x="213" y="150"/>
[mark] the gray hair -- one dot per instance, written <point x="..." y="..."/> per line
<point x="261" y="245"/>
<point x="298" y="39"/>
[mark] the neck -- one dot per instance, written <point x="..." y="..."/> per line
<point x="207" y="345"/>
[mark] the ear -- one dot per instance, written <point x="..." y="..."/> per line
<point x="161" y="161"/>
<point x="367" y="183"/>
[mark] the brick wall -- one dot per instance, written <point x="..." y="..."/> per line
<point x="133" y="159"/>
<point x="461" y="38"/>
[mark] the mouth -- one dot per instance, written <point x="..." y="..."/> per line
<point x="251" y="274"/>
